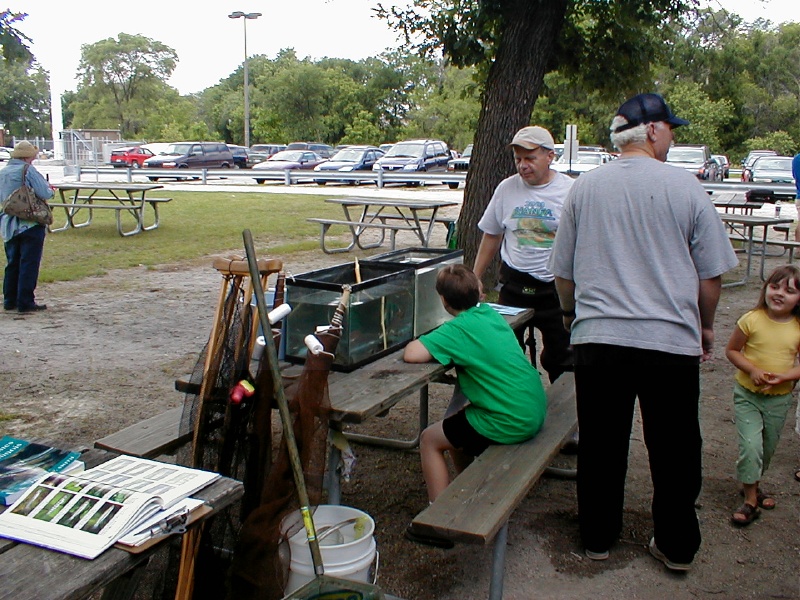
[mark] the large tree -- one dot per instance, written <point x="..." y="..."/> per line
<point x="609" y="44"/>
<point x="120" y="80"/>
<point x="24" y="86"/>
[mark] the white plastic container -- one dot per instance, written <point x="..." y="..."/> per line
<point x="346" y="554"/>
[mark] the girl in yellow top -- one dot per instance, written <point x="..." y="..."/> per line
<point x="764" y="347"/>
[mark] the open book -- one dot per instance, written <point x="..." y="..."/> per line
<point x="86" y="513"/>
<point x="23" y="463"/>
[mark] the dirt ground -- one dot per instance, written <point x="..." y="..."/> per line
<point x="108" y="350"/>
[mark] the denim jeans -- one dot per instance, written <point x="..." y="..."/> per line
<point x="24" y="254"/>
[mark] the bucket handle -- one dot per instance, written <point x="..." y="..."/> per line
<point x="377" y="564"/>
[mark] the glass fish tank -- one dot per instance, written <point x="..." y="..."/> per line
<point x="426" y="262"/>
<point x="379" y="317"/>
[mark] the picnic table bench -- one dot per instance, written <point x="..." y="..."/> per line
<point x="475" y="508"/>
<point x="385" y="214"/>
<point x="119" y="197"/>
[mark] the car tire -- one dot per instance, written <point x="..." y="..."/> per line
<point x="453" y="185"/>
<point x="320" y="182"/>
<point x="153" y="178"/>
<point x="260" y="181"/>
<point x="135" y="165"/>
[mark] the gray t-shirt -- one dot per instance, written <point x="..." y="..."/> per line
<point x="527" y="216"/>
<point x="637" y="236"/>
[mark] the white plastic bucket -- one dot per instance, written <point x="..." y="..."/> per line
<point x="349" y="559"/>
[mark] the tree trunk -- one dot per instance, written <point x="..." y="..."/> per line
<point x="513" y="83"/>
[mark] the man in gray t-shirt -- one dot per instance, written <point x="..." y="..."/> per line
<point x="638" y="260"/>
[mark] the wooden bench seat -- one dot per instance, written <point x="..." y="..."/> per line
<point x="149" y="438"/>
<point x="476" y="506"/>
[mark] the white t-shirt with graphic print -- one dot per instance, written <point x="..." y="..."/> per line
<point x="527" y="216"/>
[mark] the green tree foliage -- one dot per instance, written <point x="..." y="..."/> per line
<point x="328" y="100"/>
<point x="780" y="141"/>
<point x="706" y="117"/>
<point x="121" y="79"/>
<point x="24" y="85"/>
<point x="449" y="111"/>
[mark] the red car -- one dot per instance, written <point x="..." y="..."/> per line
<point x="130" y="157"/>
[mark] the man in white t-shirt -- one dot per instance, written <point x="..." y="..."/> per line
<point x="521" y="222"/>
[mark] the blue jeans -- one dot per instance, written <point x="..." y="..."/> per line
<point x="24" y="254"/>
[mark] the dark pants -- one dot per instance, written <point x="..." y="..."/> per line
<point x="24" y="254"/>
<point x="524" y="291"/>
<point x="608" y="379"/>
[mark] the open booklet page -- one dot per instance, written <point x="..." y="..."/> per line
<point x="85" y="514"/>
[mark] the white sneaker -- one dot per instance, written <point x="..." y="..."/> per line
<point x="658" y="555"/>
<point x="596" y="555"/>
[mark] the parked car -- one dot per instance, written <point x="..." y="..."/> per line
<point x="385" y="147"/>
<point x="241" y="156"/>
<point x="192" y="155"/>
<point x="5" y="153"/>
<point x="350" y="158"/>
<point x="415" y="155"/>
<point x="695" y="159"/>
<point x="724" y="164"/>
<point x="132" y="156"/>
<point x="748" y="161"/>
<point x="459" y="165"/>
<point x="266" y="149"/>
<point x="772" y="169"/>
<point x="585" y="161"/>
<point x="289" y="160"/>
<point x="324" y="150"/>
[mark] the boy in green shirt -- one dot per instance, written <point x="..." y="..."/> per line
<point x="506" y="400"/>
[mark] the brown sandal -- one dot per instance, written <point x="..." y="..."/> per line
<point x="745" y="514"/>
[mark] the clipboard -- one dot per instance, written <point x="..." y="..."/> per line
<point x="195" y="515"/>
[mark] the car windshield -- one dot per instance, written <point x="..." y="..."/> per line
<point x="178" y="149"/>
<point x="467" y="152"/>
<point x="685" y="155"/>
<point x="775" y="164"/>
<point x="287" y="156"/>
<point x="348" y="155"/>
<point x="406" y="151"/>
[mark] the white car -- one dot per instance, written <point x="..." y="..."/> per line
<point x="585" y="161"/>
<point x="5" y="153"/>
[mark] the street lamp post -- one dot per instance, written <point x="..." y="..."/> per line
<point x="236" y="15"/>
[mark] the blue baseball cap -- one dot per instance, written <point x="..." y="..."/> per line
<point x="647" y="108"/>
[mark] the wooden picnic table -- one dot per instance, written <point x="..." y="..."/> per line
<point x="31" y="572"/>
<point x="363" y="214"/>
<point x="130" y="198"/>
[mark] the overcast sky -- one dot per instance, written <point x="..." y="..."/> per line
<point x="210" y="46"/>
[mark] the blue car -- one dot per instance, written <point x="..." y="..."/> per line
<point x="348" y="159"/>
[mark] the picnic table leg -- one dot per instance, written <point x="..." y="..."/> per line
<point x="190" y="544"/>
<point x="498" y="563"/>
<point x="381" y="442"/>
<point x="324" y="230"/>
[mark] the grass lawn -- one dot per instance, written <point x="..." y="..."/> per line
<point x="193" y="225"/>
